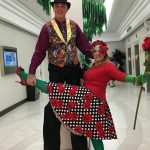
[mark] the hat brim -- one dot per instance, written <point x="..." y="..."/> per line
<point x="68" y="4"/>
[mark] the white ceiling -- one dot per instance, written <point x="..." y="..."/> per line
<point x="119" y="11"/>
<point x="35" y="8"/>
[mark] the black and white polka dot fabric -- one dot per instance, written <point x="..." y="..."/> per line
<point x="81" y="111"/>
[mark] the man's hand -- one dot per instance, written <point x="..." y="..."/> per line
<point x="31" y="80"/>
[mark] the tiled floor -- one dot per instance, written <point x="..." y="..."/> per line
<point x="21" y="129"/>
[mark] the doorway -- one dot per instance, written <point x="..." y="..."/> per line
<point x="137" y="60"/>
<point x="129" y="61"/>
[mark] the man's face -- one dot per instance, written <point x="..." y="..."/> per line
<point x="60" y="10"/>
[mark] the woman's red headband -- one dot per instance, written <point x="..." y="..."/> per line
<point x="102" y="46"/>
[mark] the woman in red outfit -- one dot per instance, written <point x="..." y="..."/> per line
<point x="96" y="79"/>
<point x="84" y="110"/>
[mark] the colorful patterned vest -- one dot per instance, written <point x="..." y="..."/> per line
<point x="62" y="51"/>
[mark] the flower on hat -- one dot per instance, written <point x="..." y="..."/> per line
<point x="98" y="42"/>
<point x="102" y="45"/>
<point x="146" y="44"/>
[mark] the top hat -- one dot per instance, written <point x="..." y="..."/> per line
<point x="61" y="1"/>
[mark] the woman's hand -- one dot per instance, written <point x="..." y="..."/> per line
<point x="141" y="79"/>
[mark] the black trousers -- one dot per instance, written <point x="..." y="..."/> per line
<point x="51" y="128"/>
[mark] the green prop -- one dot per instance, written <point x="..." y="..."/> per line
<point x="46" y="5"/>
<point x="94" y="17"/>
<point x="40" y="84"/>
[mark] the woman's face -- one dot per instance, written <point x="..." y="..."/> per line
<point x="60" y="10"/>
<point x="97" y="55"/>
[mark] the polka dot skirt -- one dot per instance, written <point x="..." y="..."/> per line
<point x="81" y="112"/>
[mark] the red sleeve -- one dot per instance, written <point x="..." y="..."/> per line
<point x="114" y="73"/>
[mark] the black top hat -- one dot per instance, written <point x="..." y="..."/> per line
<point x="61" y="1"/>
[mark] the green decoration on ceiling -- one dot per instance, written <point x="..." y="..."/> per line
<point x="46" y="5"/>
<point x="94" y="17"/>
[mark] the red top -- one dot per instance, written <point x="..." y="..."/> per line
<point x="97" y="77"/>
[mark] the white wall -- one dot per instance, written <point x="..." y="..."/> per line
<point x="120" y="45"/>
<point x="137" y="38"/>
<point x="20" y="30"/>
<point x="75" y="12"/>
<point x="12" y="92"/>
<point x="116" y="45"/>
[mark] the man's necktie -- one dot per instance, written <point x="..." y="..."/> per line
<point x="63" y="31"/>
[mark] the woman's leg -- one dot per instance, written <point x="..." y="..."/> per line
<point x="40" y="84"/>
<point x="97" y="144"/>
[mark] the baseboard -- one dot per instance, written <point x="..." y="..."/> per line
<point x="66" y="149"/>
<point x="5" y="111"/>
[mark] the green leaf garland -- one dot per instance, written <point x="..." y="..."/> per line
<point x="94" y="17"/>
<point x="46" y="5"/>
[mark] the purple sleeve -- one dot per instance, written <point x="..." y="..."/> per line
<point x="82" y="43"/>
<point x="40" y="50"/>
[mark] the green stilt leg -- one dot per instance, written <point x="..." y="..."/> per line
<point x="97" y="144"/>
<point x="40" y="84"/>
